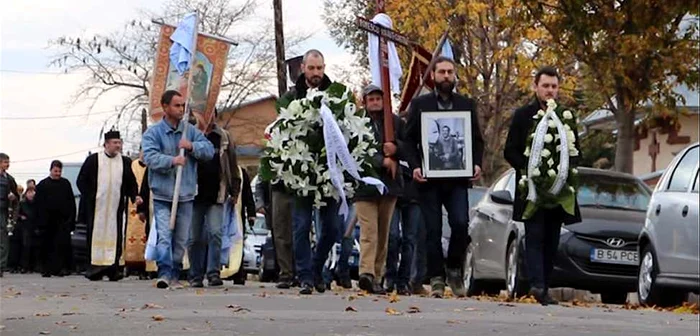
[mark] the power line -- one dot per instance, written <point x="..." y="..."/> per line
<point x="35" y="72"/>
<point x="55" y="156"/>
<point x="58" y="117"/>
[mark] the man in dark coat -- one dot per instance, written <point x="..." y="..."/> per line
<point x="542" y="230"/>
<point x="8" y="195"/>
<point x="105" y="182"/>
<point x="450" y="192"/>
<point x="55" y="206"/>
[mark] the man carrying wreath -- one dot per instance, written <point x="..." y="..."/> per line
<point x="543" y="148"/>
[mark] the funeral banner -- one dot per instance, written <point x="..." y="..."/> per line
<point x="207" y="70"/>
<point x="420" y="59"/>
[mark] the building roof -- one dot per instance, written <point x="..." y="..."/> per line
<point x="249" y="103"/>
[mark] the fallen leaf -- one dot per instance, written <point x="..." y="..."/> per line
<point x="199" y="292"/>
<point x="577" y="303"/>
<point x="413" y="310"/>
<point x="74" y="327"/>
<point x="392" y="311"/>
<point x="506" y="305"/>
<point x="151" y="306"/>
<point x="452" y="322"/>
<point x="375" y="300"/>
<point x="67" y="314"/>
<point x="457" y="310"/>
<point x="394" y="297"/>
<point x="470" y="309"/>
<point x="687" y="308"/>
<point x="351" y="298"/>
<point x="263" y="295"/>
<point x="237" y="308"/>
<point x="350" y="309"/>
<point x="363" y="293"/>
<point x="44" y="332"/>
<point x="158" y="318"/>
<point x="14" y="318"/>
<point x="261" y="286"/>
<point x="527" y="299"/>
<point x="42" y="314"/>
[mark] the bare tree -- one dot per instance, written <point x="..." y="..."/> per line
<point x="122" y="61"/>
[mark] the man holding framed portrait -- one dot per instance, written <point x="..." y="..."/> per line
<point x="443" y="132"/>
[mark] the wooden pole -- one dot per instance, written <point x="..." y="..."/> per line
<point x="436" y="52"/>
<point x="185" y="121"/>
<point x="279" y="48"/>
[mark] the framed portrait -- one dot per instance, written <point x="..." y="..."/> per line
<point x="447" y="144"/>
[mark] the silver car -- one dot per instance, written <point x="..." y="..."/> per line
<point x="668" y="243"/>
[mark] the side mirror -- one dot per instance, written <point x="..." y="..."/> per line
<point x="502" y="197"/>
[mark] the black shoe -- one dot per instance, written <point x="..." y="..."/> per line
<point x="46" y="275"/>
<point x="196" y="283"/>
<point x="306" y="289"/>
<point x="543" y="297"/>
<point x="378" y="289"/>
<point x="116" y="277"/>
<point x="215" y="281"/>
<point x="345" y="283"/>
<point x="319" y="283"/>
<point x="366" y="282"/>
<point x="284" y="284"/>
<point x="403" y="290"/>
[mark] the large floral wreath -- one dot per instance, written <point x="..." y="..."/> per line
<point x="550" y="178"/>
<point x="295" y="152"/>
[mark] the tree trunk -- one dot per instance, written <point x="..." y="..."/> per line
<point x="624" y="151"/>
<point x="279" y="48"/>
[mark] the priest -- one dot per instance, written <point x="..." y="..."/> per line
<point x="105" y="182"/>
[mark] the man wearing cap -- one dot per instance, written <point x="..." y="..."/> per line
<point x="105" y="182"/>
<point x="374" y="210"/>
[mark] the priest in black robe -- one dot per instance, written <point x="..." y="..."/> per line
<point x="106" y="182"/>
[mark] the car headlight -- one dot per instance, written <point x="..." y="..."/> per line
<point x="563" y="231"/>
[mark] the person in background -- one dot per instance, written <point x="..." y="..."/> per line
<point x="14" y="259"/>
<point x="8" y="196"/>
<point x="31" y="183"/>
<point x="55" y="209"/>
<point x="27" y="221"/>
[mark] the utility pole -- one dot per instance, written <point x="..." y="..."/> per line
<point x="279" y="48"/>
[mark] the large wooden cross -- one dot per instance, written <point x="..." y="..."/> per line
<point x="385" y="35"/>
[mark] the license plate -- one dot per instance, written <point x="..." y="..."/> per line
<point x="615" y="257"/>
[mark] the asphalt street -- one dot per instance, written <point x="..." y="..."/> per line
<point x="31" y="305"/>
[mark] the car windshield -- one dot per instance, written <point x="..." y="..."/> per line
<point x="600" y="192"/>
<point x="475" y="195"/>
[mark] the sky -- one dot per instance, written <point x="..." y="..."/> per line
<point x="30" y="89"/>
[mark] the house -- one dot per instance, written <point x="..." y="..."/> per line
<point x="658" y="140"/>
<point x="246" y="123"/>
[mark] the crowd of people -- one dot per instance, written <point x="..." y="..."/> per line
<point x="400" y="229"/>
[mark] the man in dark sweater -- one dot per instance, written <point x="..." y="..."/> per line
<point x="8" y="194"/>
<point x="218" y="181"/>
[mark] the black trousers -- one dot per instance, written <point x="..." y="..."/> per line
<point x="30" y="255"/>
<point x="542" y="233"/>
<point x="56" y="247"/>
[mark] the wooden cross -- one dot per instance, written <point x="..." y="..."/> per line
<point x="654" y="150"/>
<point x="385" y="35"/>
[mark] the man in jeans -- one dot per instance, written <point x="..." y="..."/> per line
<point x="218" y="181"/>
<point x="161" y="146"/>
<point x="403" y="236"/>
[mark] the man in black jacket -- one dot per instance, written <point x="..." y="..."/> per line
<point x="8" y="194"/>
<point x="450" y="192"/>
<point x="542" y="230"/>
<point x="288" y="232"/>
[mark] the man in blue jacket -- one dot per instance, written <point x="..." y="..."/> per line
<point x="161" y="146"/>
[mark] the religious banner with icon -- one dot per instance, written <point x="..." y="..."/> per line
<point x="208" y="70"/>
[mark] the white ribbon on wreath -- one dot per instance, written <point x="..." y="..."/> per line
<point x="536" y="154"/>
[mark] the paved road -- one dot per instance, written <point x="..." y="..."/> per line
<point x="31" y="305"/>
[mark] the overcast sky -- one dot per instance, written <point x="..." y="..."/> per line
<point x="29" y="89"/>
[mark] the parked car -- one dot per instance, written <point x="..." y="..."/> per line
<point x="668" y="244"/>
<point x="252" y="245"/>
<point x="599" y="254"/>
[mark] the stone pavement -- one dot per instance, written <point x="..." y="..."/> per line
<point x="31" y="305"/>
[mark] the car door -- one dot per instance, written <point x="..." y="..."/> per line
<point x="498" y="216"/>
<point x="688" y="261"/>
<point x="668" y="209"/>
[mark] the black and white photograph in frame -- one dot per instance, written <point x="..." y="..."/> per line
<point x="447" y="147"/>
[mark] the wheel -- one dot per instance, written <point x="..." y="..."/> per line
<point x="471" y="284"/>
<point x="614" y="297"/>
<point x="516" y="284"/>
<point x="263" y="275"/>
<point x="648" y="292"/>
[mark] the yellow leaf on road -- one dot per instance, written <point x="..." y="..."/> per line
<point x="392" y="311"/>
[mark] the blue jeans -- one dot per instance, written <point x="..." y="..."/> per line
<point x="403" y="235"/>
<point x="454" y="198"/>
<point x="171" y="244"/>
<point x="205" y="240"/>
<point x="309" y="266"/>
<point x="342" y="266"/>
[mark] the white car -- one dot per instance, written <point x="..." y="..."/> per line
<point x="668" y="244"/>
<point x="252" y="245"/>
